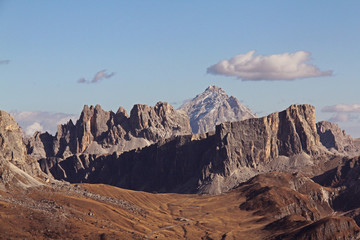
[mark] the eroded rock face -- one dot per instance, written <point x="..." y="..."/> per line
<point x="346" y="177"/>
<point x="159" y="122"/>
<point x="336" y="227"/>
<point x="12" y="148"/>
<point x="210" y="163"/>
<point x="16" y="167"/>
<point x="280" y="194"/>
<point x="284" y="133"/>
<point x="213" y="107"/>
<point x="298" y="203"/>
<point x="285" y="141"/>
<point x="99" y="132"/>
<point x="336" y="140"/>
<point x="172" y="165"/>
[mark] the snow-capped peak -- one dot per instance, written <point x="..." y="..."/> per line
<point x="213" y="107"/>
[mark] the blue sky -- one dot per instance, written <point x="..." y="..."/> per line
<point x="56" y="56"/>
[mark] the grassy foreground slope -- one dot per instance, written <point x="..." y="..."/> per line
<point x="106" y="212"/>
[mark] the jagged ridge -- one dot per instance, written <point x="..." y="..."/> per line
<point x="211" y="163"/>
<point x="99" y="132"/>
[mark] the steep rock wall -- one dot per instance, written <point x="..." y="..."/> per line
<point x="215" y="162"/>
<point x="16" y="167"/>
<point x="100" y="132"/>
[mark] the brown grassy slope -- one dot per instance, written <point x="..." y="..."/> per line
<point x="91" y="212"/>
<point x="270" y="206"/>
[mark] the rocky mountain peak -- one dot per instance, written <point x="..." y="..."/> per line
<point x="98" y="131"/>
<point x="336" y="140"/>
<point x="122" y="111"/>
<point x="285" y="141"/>
<point x="213" y="107"/>
<point x="16" y="167"/>
<point x="159" y="122"/>
<point x="11" y="145"/>
<point x="213" y="88"/>
<point x="213" y="92"/>
<point x="206" y="163"/>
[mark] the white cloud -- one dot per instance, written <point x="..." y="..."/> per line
<point x="98" y="77"/>
<point x="345" y="108"/>
<point x="285" y="66"/>
<point x="343" y="113"/>
<point x="340" y="117"/>
<point x="34" y="128"/>
<point x="41" y="121"/>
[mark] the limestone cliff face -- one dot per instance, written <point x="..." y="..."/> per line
<point x="12" y="148"/>
<point x="16" y="167"/>
<point x="257" y="141"/>
<point x="99" y="132"/>
<point x="336" y="140"/>
<point x="209" y="163"/>
<point x="171" y="165"/>
<point x="159" y="122"/>
<point x="285" y="140"/>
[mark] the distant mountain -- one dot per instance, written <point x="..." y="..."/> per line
<point x="213" y="107"/>
<point x="207" y="163"/>
<point x="336" y="140"/>
<point x="101" y="132"/>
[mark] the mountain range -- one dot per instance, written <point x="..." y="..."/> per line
<point x="282" y="176"/>
<point x="99" y="132"/>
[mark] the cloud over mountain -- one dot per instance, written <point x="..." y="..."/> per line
<point x="31" y="122"/>
<point x="343" y="112"/>
<point x="347" y="108"/>
<point x="285" y="66"/>
<point x="98" y="77"/>
<point x="34" y="128"/>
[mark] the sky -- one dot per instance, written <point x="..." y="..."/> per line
<point x="56" y="56"/>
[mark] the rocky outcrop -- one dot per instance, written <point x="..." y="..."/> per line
<point x="208" y="163"/>
<point x="284" y="141"/>
<point x="345" y="177"/>
<point x="302" y="209"/>
<point x="12" y="148"/>
<point x="16" y="167"/>
<point x="336" y="227"/>
<point x="213" y="107"/>
<point x="280" y="194"/>
<point x="336" y="140"/>
<point x="100" y="132"/>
